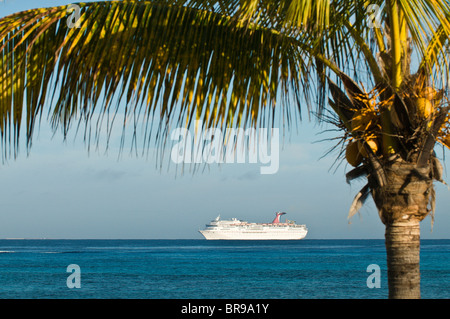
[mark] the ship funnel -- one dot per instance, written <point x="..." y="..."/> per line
<point x="277" y="218"/>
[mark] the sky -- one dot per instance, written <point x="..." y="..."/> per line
<point x="62" y="190"/>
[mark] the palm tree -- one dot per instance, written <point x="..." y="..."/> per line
<point x="242" y="63"/>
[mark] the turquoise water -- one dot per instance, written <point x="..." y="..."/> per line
<point x="200" y="269"/>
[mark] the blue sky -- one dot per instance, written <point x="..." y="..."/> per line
<point x="60" y="190"/>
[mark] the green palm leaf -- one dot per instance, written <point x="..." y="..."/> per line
<point x="170" y="61"/>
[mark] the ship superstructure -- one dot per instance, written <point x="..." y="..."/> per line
<point x="236" y="229"/>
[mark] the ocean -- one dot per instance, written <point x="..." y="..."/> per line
<point x="200" y="269"/>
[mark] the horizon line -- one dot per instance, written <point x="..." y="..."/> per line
<point x="202" y="239"/>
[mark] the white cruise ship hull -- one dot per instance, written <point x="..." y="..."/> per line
<point x="270" y="234"/>
<point x="235" y="229"/>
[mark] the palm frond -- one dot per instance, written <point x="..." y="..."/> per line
<point x="165" y="61"/>
<point x="357" y="172"/>
<point x="429" y="25"/>
<point x="359" y="201"/>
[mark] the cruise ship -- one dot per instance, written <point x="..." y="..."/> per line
<point x="236" y="229"/>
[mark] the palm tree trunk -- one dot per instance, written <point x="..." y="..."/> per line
<point x="402" y="203"/>
<point x="403" y="259"/>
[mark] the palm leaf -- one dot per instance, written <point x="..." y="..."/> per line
<point x="358" y="201"/>
<point x="169" y="62"/>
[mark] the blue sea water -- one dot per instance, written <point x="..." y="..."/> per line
<point x="200" y="269"/>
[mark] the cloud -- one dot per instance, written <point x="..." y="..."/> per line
<point x="107" y="175"/>
<point x="249" y="176"/>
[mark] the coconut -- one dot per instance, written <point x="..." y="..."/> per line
<point x="424" y="107"/>
<point x="363" y="119"/>
<point x="373" y="144"/>
<point x="352" y="154"/>
<point x="429" y="93"/>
